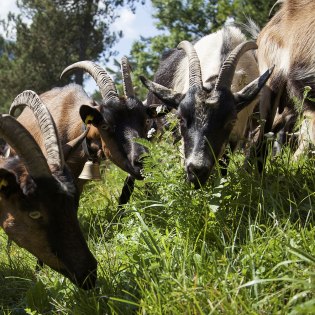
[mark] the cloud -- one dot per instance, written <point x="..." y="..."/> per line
<point x="127" y="23"/>
<point x="6" y="7"/>
<point x="136" y="25"/>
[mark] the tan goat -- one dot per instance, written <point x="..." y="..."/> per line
<point x="288" y="42"/>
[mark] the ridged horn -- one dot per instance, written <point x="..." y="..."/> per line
<point x="101" y="77"/>
<point x="228" y="68"/>
<point x="273" y="7"/>
<point x="25" y="146"/>
<point x="195" y="78"/>
<point x="126" y="77"/>
<point x="46" y="123"/>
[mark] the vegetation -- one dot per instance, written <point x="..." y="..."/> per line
<point x="242" y="245"/>
<point x="50" y="35"/>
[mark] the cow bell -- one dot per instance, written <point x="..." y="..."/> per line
<point x="91" y="171"/>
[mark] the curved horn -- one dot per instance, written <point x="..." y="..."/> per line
<point x="228" y="68"/>
<point x="25" y="146"/>
<point x="195" y="78"/>
<point x="127" y="83"/>
<point x="101" y="77"/>
<point x="46" y="124"/>
<point x="272" y="8"/>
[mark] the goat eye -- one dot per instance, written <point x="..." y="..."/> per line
<point x="229" y="124"/>
<point x="182" y="122"/>
<point x="105" y="127"/>
<point x="35" y="215"/>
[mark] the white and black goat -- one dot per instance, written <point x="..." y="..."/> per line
<point x="39" y="200"/>
<point x="288" y="42"/>
<point x="213" y="89"/>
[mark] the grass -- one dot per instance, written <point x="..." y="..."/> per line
<point x="243" y="244"/>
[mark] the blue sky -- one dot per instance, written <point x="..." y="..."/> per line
<point x="133" y="26"/>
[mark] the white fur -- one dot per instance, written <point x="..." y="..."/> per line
<point x="208" y="49"/>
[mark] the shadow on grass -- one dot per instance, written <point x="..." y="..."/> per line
<point x="15" y="280"/>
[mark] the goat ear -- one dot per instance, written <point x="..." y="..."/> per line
<point x="8" y="182"/>
<point x="157" y="110"/>
<point x="5" y="149"/>
<point x="244" y="97"/>
<point x="169" y="97"/>
<point x="70" y="147"/>
<point x="90" y="115"/>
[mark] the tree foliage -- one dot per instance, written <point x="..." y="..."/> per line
<point x="256" y="10"/>
<point x="51" y="34"/>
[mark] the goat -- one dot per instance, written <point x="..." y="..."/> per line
<point x="39" y="201"/>
<point x="202" y="87"/>
<point x="288" y="42"/>
<point x="114" y="122"/>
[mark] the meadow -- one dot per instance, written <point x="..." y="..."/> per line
<point x="244" y="244"/>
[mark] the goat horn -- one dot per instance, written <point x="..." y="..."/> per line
<point x="272" y="8"/>
<point x="101" y="77"/>
<point x="46" y="124"/>
<point x="195" y="78"/>
<point x="228" y="68"/>
<point x="127" y="83"/>
<point x="25" y="146"/>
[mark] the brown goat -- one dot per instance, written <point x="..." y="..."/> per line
<point x="288" y="42"/>
<point x="39" y="201"/>
<point x="114" y="122"/>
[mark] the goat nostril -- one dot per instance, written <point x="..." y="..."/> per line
<point x="190" y="168"/>
<point x="194" y="169"/>
<point x="197" y="174"/>
<point x="138" y="163"/>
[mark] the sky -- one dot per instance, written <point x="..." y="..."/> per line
<point x="133" y="26"/>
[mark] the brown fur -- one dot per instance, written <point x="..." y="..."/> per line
<point x="54" y="236"/>
<point x="288" y="42"/>
<point x="114" y="127"/>
<point x="64" y="104"/>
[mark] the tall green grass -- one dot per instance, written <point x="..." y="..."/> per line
<point x="243" y="244"/>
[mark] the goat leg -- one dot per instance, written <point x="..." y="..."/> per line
<point x="126" y="192"/>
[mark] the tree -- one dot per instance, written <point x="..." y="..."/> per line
<point x="256" y="10"/>
<point x="51" y="34"/>
<point x="6" y="53"/>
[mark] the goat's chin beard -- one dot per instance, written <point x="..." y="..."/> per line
<point x="135" y="171"/>
<point x="138" y="174"/>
